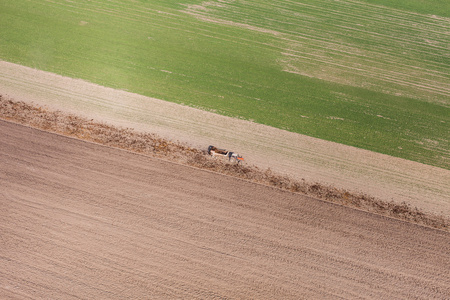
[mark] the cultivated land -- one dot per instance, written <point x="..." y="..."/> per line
<point x="79" y="220"/>
<point x="353" y="72"/>
<point x="297" y="156"/>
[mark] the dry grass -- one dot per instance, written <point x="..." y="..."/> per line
<point x="156" y="146"/>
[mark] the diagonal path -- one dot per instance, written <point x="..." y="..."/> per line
<point x="315" y="160"/>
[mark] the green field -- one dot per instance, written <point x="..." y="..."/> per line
<point x="354" y="72"/>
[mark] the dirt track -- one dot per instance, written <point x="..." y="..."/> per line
<point x="298" y="156"/>
<point x="82" y="220"/>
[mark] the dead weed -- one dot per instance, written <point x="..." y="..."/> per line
<point x="156" y="146"/>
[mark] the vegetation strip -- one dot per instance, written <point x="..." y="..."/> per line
<point x="158" y="147"/>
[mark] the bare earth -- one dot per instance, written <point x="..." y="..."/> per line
<point x="79" y="220"/>
<point x="298" y="156"/>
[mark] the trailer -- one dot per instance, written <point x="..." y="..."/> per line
<point x="214" y="151"/>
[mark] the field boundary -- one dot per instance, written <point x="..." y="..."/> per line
<point x="153" y="145"/>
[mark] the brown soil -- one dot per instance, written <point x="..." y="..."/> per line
<point x="81" y="220"/>
<point x="153" y="145"/>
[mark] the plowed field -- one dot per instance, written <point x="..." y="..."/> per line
<point x="79" y="220"/>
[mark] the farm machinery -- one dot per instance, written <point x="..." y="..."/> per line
<point x="213" y="151"/>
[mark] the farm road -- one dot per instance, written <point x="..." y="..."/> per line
<point x="295" y="155"/>
<point x="79" y="220"/>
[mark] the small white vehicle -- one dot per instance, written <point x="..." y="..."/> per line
<point x="213" y="151"/>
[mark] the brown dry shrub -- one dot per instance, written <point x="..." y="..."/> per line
<point x="156" y="146"/>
